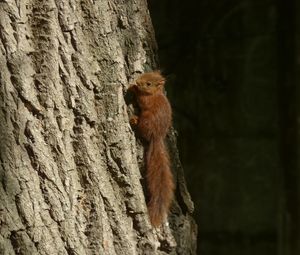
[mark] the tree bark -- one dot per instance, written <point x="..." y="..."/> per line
<point x="69" y="172"/>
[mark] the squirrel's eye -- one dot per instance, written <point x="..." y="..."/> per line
<point x="148" y="83"/>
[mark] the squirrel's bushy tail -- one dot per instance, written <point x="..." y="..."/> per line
<point x="159" y="180"/>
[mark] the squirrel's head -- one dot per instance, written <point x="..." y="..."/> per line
<point x="150" y="83"/>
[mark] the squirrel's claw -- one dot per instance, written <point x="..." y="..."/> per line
<point x="134" y="120"/>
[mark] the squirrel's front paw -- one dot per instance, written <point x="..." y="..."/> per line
<point x="134" y="120"/>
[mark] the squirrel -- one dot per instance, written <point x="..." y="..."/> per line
<point x="152" y="124"/>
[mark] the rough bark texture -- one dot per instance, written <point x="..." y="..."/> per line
<point x="70" y="178"/>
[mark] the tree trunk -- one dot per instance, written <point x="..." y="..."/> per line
<point x="70" y="178"/>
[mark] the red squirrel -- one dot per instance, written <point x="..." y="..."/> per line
<point x="152" y="124"/>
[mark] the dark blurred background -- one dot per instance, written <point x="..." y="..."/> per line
<point x="233" y="71"/>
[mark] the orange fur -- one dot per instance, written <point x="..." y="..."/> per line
<point x="153" y="124"/>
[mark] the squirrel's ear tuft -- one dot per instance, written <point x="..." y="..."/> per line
<point x="161" y="77"/>
<point x="159" y="72"/>
<point x="162" y="82"/>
